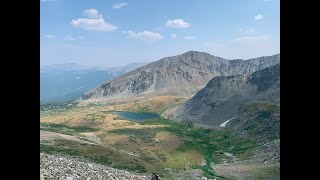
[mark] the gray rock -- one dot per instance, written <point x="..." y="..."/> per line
<point x="59" y="169"/>
<point x="181" y="75"/>
<point x="168" y="170"/>
<point x="221" y="99"/>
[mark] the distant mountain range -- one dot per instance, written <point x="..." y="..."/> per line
<point x="66" y="82"/>
<point x="181" y="75"/>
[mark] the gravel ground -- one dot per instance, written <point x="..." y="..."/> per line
<point x="60" y="167"/>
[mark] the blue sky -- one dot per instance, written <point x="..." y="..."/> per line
<point x="114" y="33"/>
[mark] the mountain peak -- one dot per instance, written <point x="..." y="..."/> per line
<point x="192" y="52"/>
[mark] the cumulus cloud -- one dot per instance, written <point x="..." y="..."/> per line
<point x="69" y="38"/>
<point x="190" y="37"/>
<point x="173" y="36"/>
<point x="119" y="5"/>
<point x="145" y="35"/>
<point x="88" y="24"/>
<point x="93" y="22"/>
<point x="50" y="36"/>
<point x="92" y="13"/>
<point x="258" y="17"/>
<point x="177" y="23"/>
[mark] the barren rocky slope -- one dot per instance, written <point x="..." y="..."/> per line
<point x="69" y="168"/>
<point x="57" y="166"/>
<point x="221" y="99"/>
<point x="181" y="75"/>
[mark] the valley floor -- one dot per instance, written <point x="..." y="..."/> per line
<point x="172" y="150"/>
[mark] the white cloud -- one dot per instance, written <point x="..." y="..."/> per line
<point x="190" y="37"/>
<point x="81" y="37"/>
<point x="98" y="25"/>
<point x="50" y="36"/>
<point x="258" y="17"/>
<point x="92" y="13"/>
<point x="173" y="36"/>
<point x="119" y="5"/>
<point x="94" y="22"/>
<point x="177" y="23"/>
<point x="69" y="38"/>
<point x="145" y="35"/>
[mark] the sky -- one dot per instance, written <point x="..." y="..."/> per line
<point x="114" y="32"/>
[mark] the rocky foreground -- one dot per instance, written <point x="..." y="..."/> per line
<point x="67" y="168"/>
<point x="61" y="167"/>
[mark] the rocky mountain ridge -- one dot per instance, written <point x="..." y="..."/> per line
<point x="181" y="75"/>
<point x="221" y="99"/>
